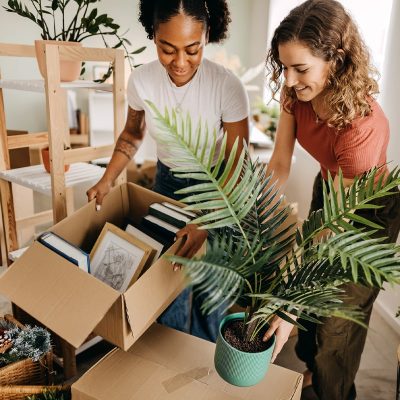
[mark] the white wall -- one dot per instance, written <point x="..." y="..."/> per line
<point x="246" y="42"/>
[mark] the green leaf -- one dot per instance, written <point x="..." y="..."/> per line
<point x="138" y="51"/>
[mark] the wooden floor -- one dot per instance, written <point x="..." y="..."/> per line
<point x="376" y="379"/>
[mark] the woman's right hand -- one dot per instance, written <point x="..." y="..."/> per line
<point x="98" y="191"/>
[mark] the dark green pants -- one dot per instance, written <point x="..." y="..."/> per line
<point x="332" y="350"/>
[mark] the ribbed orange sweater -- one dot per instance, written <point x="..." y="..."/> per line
<point x="355" y="149"/>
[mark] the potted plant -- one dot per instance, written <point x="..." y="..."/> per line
<point x="266" y="117"/>
<point x="70" y="22"/>
<point x="250" y="261"/>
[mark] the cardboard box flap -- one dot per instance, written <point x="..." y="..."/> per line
<point x="165" y="285"/>
<point x="57" y="293"/>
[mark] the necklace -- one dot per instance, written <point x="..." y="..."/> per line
<point x="178" y="104"/>
<point x="317" y="118"/>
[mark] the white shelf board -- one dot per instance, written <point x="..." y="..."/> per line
<point x="264" y="155"/>
<point x="37" y="85"/>
<point x="37" y="179"/>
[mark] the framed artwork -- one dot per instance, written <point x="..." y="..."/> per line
<point x="118" y="258"/>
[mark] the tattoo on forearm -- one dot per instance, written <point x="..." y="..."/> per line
<point x="126" y="147"/>
<point x="129" y="140"/>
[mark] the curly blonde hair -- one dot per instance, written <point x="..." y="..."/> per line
<point x="329" y="32"/>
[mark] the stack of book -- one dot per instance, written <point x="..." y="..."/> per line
<point x="163" y="221"/>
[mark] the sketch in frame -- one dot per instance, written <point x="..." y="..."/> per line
<point x="118" y="258"/>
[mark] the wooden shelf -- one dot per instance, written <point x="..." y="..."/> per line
<point x="58" y="184"/>
<point x="37" y="85"/>
<point x="79" y="139"/>
<point x="36" y="178"/>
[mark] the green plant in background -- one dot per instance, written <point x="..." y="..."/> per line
<point x="249" y="260"/>
<point x="266" y="117"/>
<point x="74" y="21"/>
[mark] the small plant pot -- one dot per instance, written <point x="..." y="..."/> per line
<point x="46" y="160"/>
<point x="69" y="70"/>
<point x="238" y="367"/>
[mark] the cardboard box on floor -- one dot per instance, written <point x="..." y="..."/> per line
<point x="167" y="364"/>
<point x="73" y="303"/>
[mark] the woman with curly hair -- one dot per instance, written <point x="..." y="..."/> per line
<point x="181" y="79"/>
<point x="327" y="104"/>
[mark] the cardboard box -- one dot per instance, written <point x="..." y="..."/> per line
<point x="73" y="303"/>
<point x="167" y="364"/>
<point x="143" y="175"/>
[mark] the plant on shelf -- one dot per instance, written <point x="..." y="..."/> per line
<point x="74" y="21"/>
<point x="251" y="261"/>
<point x="266" y="117"/>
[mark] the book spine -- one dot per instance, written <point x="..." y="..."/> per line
<point x="167" y="218"/>
<point x="57" y="251"/>
<point x="159" y="230"/>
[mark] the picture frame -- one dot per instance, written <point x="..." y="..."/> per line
<point x="118" y="258"/>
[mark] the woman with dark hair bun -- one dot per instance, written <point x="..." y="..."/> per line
<point x="181" y="79"/>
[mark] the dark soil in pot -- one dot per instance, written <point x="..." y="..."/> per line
<point x="232" y="333"/>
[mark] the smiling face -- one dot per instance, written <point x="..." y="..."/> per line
<point x="304" y="72"/>
<point x="180" y="43"/>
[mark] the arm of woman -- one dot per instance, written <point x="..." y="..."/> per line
<point x="125" y="148"/>
<point x="281" y="158"/>
<point x="196" y="237"/>
<point x="279" y="165"/>
<point x="234" y="130"/>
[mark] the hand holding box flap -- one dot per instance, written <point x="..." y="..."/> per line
<point x="62" y="297"/>
<point x="72" y="302"/>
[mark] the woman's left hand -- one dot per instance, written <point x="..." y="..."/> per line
<point x="282" y="330"/>
<point x="194" y="240"/>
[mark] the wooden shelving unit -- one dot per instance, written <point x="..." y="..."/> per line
<point x="57" y="184"/>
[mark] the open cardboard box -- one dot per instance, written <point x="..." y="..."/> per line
<point x="73" y="303"/>
<point x="167" y="364"/>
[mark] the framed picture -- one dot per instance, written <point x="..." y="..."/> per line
<point x="118" y="258"/>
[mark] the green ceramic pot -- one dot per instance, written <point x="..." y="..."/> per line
<point x="238" y="367"/>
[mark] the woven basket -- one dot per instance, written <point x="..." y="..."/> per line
<point x="18" y="380"/>
<point x="27" y="372"/>
<point x="22" y="392"/>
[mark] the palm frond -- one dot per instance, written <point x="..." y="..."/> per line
<point x="233" y="196"/>
<point x="224" y="271"/>
<point x="369" y="260"/>
<point x="320" y="302"/>
<point x="249" y="255"/>
<point x="340" y="207"/>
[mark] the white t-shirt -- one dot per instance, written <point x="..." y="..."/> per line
<point x="214" y="95"/>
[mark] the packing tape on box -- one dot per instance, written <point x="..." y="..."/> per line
<point x="180" y="380"/>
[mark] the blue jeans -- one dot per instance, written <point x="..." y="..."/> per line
<point x="184" y="313"/>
